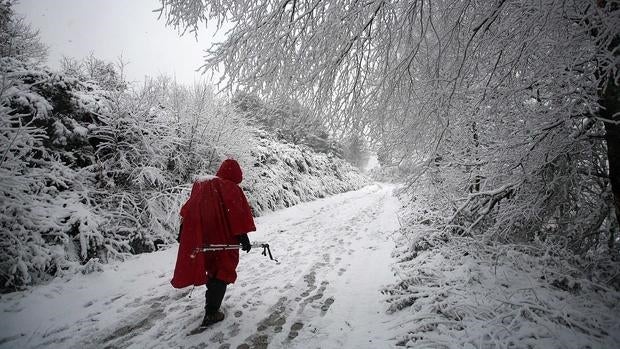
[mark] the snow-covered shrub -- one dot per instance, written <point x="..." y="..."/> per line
<point x="285" y="174"/>
<point x="289" y="120"/>
<point x="90" y="175"/>
<point x="46" y="195"/>
<point x="467" y="292"/>
<point x="181" y="132"/>
<point x="92" y="169"/>
<point x="107" y="75"/>
<point x="507" y="187"/>
<point x="84" y="174"/>
<point x="18" y="39"/>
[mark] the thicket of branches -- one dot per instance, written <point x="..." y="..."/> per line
<point x="93" y="174"/>
<point x="17" y="38"/>
<point x="504" y="117"/>
<point x="289" y="120"/>
<point x="93" y="168"/>
<point x="509" y="107"/>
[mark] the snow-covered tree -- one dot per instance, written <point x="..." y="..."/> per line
<point x="512" y="101"/>
<point x="49" y="222"/>
<point x="93" y="168"/>
<point x="356" y="151"/>
<point x="289" y="120"/>
<point x="107" y="75"/>
<point x="17" y="38"/>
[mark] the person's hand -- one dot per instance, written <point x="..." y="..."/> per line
<point x="245" y="242"/>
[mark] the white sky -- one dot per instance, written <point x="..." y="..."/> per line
<point x="111" y="28"/>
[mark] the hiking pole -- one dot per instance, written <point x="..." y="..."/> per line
<point x="224" y="247"/>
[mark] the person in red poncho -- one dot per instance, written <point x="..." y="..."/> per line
<point x="217" y="212"/>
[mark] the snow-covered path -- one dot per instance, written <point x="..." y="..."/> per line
<point x="334" y="258"/>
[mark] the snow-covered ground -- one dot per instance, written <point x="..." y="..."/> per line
<point x="334" y="257"/>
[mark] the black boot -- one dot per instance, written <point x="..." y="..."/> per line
<point x="211" y="318"/>
<point x="213" y="300"/>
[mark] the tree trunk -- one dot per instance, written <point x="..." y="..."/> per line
<point x="611" y="104"/>
<point x="476" y="186"/>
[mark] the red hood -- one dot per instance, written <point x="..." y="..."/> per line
<point x="231" y="171"/>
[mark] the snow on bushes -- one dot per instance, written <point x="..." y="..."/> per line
<point x="466" y="292"/>
<point x="45" y="201"/>
<point x="285" y="174"/>
<point x="92" y="175"/>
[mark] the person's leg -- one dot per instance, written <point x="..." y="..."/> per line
<point x="213" y="301"/>
<point x="216" y="289"/>
<point x="207" y="295"/>
<point x="212" y="271"/>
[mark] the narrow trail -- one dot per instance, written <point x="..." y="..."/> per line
<point x="325" y="293"/>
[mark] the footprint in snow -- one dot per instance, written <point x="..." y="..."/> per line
<point x="328" y="302"/>
<point x="234" y="329"/>
<point x="295" y="330"/>
<point x="260" y="342"/>
<point x="114" y="299"/>
<point x="218" y="337"/>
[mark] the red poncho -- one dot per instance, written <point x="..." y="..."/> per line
<point x="215" y="213"/>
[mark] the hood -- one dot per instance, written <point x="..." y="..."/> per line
<point x="231" y="171"/>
